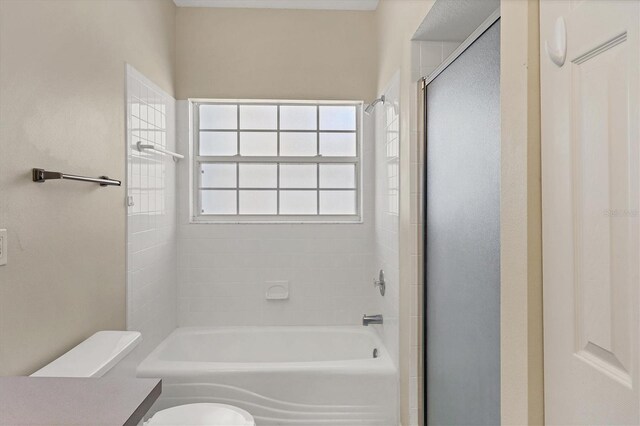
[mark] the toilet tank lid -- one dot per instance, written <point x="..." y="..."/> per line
<point x="93" y="357"/>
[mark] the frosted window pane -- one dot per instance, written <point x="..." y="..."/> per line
<point x="260" y="144"/>
<point x="218" y="143"/>
<point x="257" y="117"/>
<point x="258" y="202"/>
<point x="298" y="176"/>
<point x="298" y="202"/>
<point x="337" y="202"/>
<point x="219" y="175"/>
<point x="258" y="175"/>
<point x="218" y="202"/>
<point x="338" y="144"/>
<point x="298" y="117"/>
<point x="338" y="117"/>
<point x="298" y="144"/>
<point x="337" y="176"/>
<point x="288" y="185"/>
<point x="218" y="117"/>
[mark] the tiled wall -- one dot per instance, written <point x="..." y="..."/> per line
<point x="387" y="151"/>
<point x="426" y="56"/>
<point x="223" y="268"/>
<point x="151" y="213"/>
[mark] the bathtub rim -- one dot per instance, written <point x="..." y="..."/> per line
<point x="153" y="366"/>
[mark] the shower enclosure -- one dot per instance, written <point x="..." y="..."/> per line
<point x="462" y="234"/>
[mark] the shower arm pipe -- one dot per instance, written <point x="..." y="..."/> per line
<point x="141" y="146"/>
<point x="369" y="108"/>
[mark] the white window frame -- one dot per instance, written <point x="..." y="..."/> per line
<point x="195" y="160"/>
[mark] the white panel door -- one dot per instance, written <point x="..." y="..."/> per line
<point x="590" y="181"/>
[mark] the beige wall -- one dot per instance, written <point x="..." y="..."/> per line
<point x="62" y="77"/>
<point x="275" y="54"/>
<point x="520" y="216"/>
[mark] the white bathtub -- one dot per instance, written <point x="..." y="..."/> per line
<point x="281" y="375"/>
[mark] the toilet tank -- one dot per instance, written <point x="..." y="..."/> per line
<point x="93" y="357"/>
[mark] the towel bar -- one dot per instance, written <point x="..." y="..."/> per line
<point x="41" y="175"/>
<point x="152" y="147"/>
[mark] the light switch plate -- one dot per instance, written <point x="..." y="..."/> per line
<point x="3" y="247"/>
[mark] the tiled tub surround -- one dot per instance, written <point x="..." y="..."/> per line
<point x="387" y="151"/>
<point x="223" y="268"/>
<point x="151" y="217"/>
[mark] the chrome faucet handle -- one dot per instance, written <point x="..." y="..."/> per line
<point x="380" y="282"/>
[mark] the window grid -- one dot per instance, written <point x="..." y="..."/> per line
<point x="318" y="153"/>
<point x="278" y="165"/>
<point x="278" y="161"/>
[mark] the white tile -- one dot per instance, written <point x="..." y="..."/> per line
<point x="330" y="267"/>
<point x="430" y="56"/>
<point x="152" y="305"/>
<point x="448" y="47"/>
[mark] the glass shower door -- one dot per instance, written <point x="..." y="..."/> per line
<point x="462" y="238"/>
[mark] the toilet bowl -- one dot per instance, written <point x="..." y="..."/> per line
<point x="201" y="414"/>
<point x="102" y="351"/>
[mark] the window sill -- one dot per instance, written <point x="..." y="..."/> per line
<point x="276" y="222"/>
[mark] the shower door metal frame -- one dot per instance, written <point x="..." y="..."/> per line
<point x="423" y="82"/>
<point x="422" y="97"/>
<point x="461" y="49"/>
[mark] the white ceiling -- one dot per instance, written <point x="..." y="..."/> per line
<point x="454" y="20"/>
<point x="284" y="4"/>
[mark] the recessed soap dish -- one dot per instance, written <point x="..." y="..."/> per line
<point x="276" y="290"/>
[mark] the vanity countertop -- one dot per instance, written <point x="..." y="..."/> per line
<point x="76" y="401"/>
